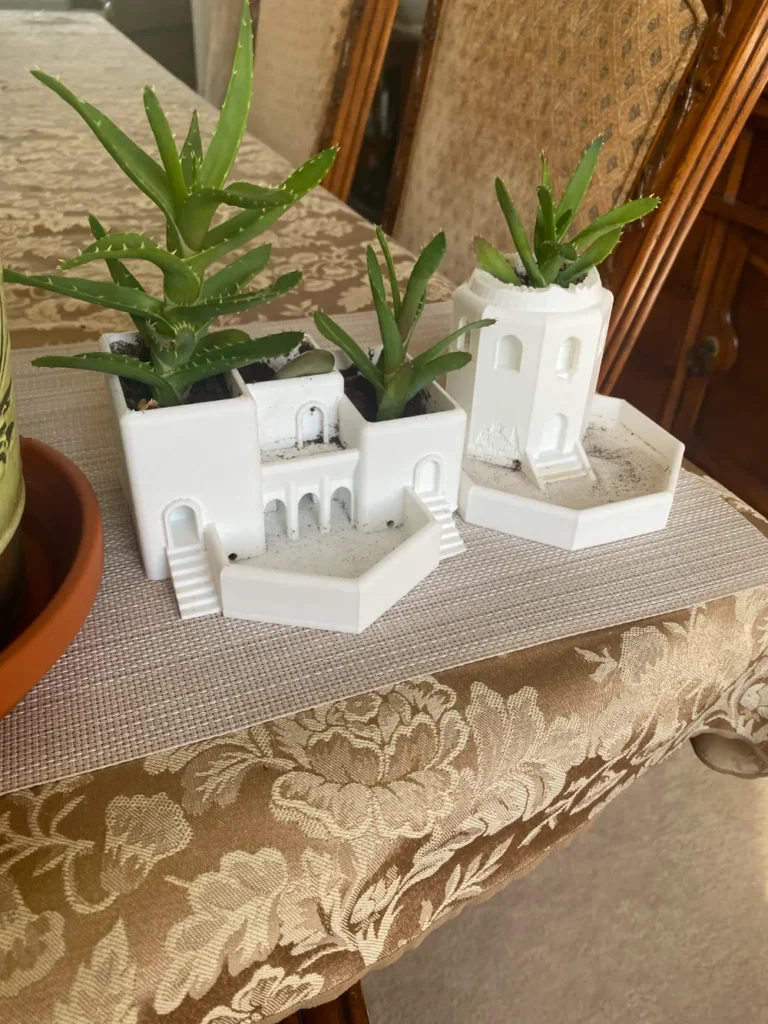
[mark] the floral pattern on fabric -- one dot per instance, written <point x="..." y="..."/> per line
<point x="235" y="880"/>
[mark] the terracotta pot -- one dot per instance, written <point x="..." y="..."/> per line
<point x="64" y="557"/>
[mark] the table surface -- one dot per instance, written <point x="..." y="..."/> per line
<point x="236" y="879"/>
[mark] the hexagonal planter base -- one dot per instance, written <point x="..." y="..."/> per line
<point x="636" y="464"/>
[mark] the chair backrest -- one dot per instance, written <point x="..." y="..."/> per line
<point x="315" y="73"/>
<point x="498" y="81"/>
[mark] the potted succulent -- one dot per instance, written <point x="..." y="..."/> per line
<point x="171" y="385"/>
<point x="394" y="409"/>
<point x="529" y="393"/>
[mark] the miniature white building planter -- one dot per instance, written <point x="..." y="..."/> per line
<point x="283" y="504"/>
<point x="532" y="414"/>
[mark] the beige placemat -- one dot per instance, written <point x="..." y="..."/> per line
<point x="138" y="680"/>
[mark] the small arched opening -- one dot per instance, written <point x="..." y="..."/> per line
<point x="428" y="476"/>
<point x="182" y="526"/>
<point x="309" y="514"/>
<point x="311" y="424"/>
<point x="275" y="518"/>
<point x="341" y="506"/>
<point x="509" y="353"/>
<point x="553" y="436"/>
<point x="567" y="358"/>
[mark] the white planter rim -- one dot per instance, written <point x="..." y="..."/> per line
<point x="552" y="299"/>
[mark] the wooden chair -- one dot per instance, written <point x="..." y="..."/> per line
<point x="315" y="72"/>
<point x="669" y="82"/>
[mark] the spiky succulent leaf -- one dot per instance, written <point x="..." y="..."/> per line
<point x="116" y="365"/>
<point x="203" y="312"/>
<point x="447" y="341"/>
<point x="99" y="293"/>
<point x="519" y="236"/>
<point x="339" y="337"/>
<point x="393" y="285"/>
<point x="563" y="223"/>
<point x="166" y="146"/>
<point x="577" y="187"/>
<point x="143" y="171"/>
<point x="423" y="376"/>
<point x="306" y="364"/>
<point x="195" y="216"/>
<point x="600" y="249"/>
<point x="493" y="262"/>
<point x="635" y="209"/>
<point x="237" y="275"/>
<point x="224" y="146"/>
<point x="392" y="402"/>
<point x="192" y="153"/>
<point x="244" y="227"/>
<point x="426" y="265"/>
<point x="393" y="350"/>
<point x="119" y="273"/>
<point x="182" y="285"/>
<point x="218" y="339"/>
<point x="218" y="358"/>
<point x="547" y="208"/>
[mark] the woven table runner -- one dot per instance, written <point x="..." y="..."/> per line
<point x="138" y="680"/>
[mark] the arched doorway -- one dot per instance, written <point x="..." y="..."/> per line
<point x="182" y="526"/>
<point x="311" y="424"/>
<point x="341" y="505"/>
<point x="309" y="514"/>
<point x="553" y="435"/>
<point x="275" y="519"/>
<point x="428" y="476"/>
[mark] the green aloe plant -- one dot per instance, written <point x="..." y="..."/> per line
<point x="394" y="376"/>
<point x="552" y="259"/>
<point x="189" y="185"/>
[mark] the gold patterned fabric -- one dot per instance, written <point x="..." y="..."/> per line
<point x="234" y="880"/>
<point x="54" y="173"/>
<point x="237" y="879"/>
<point x="509" y="78"/>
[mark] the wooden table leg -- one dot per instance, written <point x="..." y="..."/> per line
<point x="349" y="1008"/>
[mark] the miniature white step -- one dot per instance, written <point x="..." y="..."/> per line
<point x="451" y="542"/>
<point x="192" y="581"/>
<point x="553" y="467"/>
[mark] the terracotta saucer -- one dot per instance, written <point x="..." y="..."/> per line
<point x="64" y="560"/>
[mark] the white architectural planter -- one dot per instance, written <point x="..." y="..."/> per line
<point x="546" y="459"/>
<point x="283" y="504"/>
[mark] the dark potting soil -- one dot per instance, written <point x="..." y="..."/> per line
<point x="257" y="373"/>
<point x="213" y="389"/>
<point x="362" y="395"/>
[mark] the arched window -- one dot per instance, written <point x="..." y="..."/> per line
<point x="275" y="519"/>
<point x="509" y="353"/>
<point x="567" y="358"/>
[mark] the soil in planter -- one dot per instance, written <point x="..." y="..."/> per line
<point x="213" y="389"/>
<point x="362" y="395"/>
<point x="258" y="373"/>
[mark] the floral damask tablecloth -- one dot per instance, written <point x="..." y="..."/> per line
<point x="232" y="881"/>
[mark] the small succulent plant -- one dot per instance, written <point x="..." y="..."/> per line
<point x="189" y="186"/>
<point x="553" y="260"/>
<point x="394" y="376"/>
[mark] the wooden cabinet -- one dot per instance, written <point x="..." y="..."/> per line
<point x="700" y="366"/>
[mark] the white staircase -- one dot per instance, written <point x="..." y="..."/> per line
<point x="451" y="543"/>
<point x="192" y="581"/>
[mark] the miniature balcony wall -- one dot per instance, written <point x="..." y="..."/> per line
<point x="347" y="605"/>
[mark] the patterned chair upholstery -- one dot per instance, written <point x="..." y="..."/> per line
<point x="509" y="78"/>
<point x="298" y="53"/>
